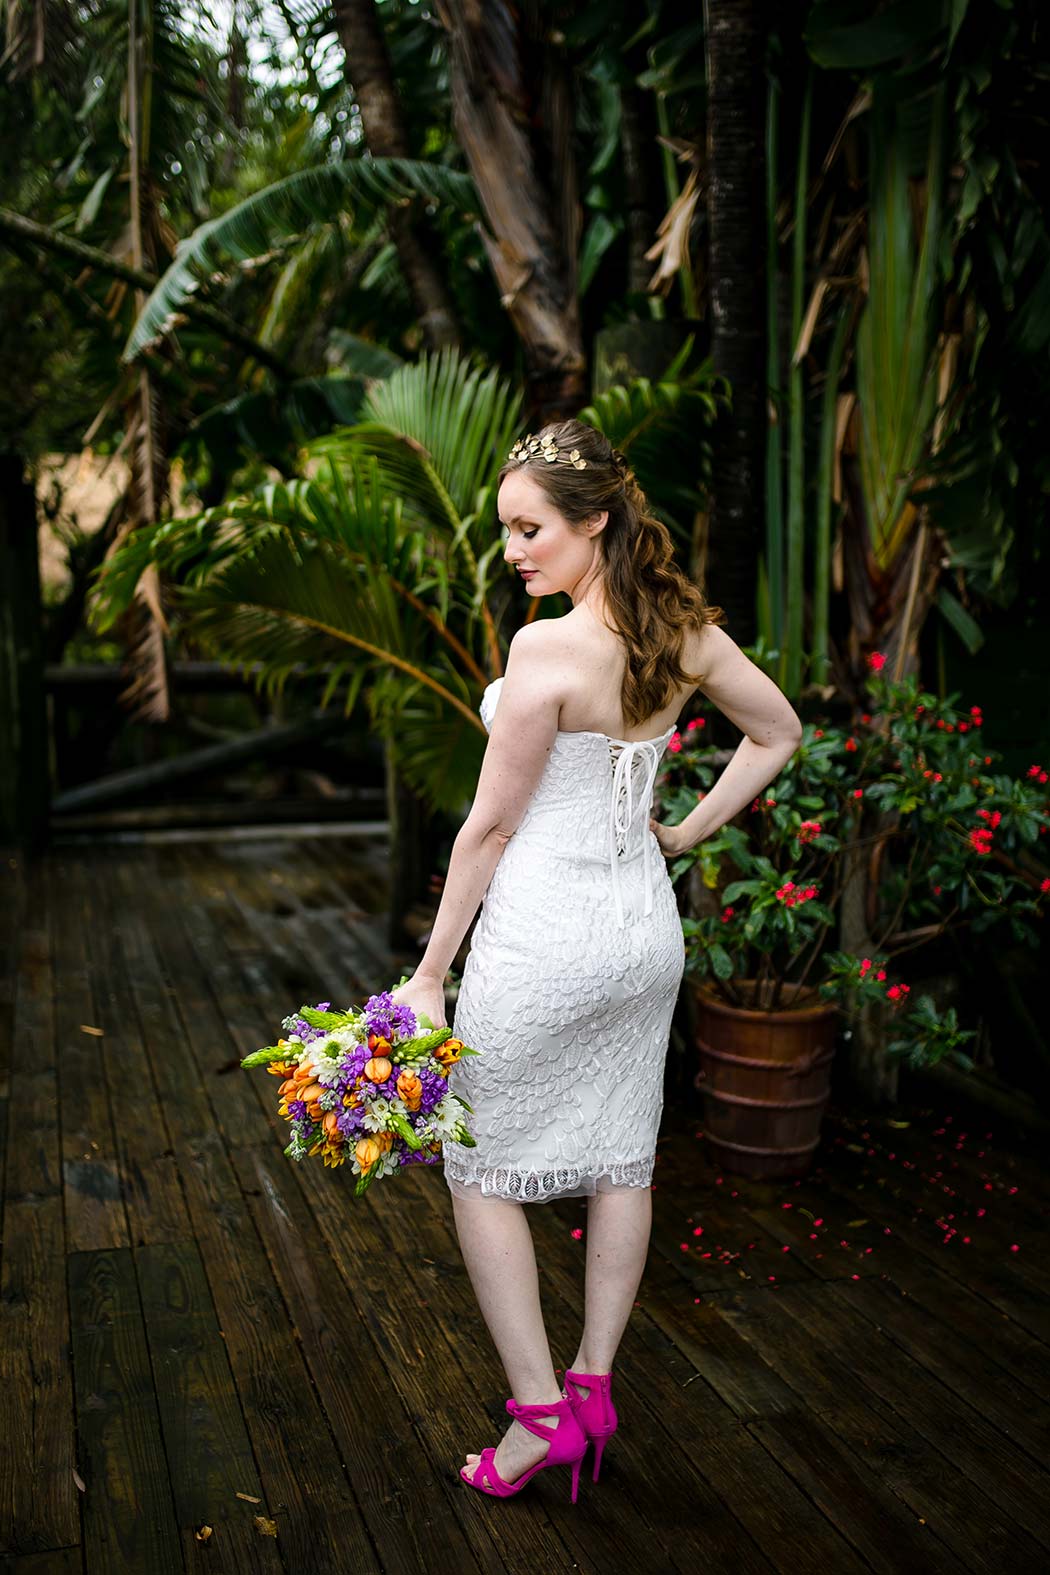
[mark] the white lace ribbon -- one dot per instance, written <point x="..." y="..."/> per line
<point x="625" y="810"/>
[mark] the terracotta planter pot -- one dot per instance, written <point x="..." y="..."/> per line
<point x="765" y="1078"/>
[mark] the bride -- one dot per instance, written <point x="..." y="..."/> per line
<point x="577" y="956"/>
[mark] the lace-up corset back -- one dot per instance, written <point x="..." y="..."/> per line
<point x="595" y="795"/>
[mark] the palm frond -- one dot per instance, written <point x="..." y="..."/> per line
<point x="441" y="428"/>
<point x="306" y="197"/>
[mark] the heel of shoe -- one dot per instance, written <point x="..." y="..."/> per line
<point x="599" y="1446"/>
<point x="576" y="1476"/>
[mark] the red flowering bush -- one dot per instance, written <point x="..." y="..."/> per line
<point x="911" y="787"/>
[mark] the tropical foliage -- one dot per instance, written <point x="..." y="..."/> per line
<point x="911" y="792"/>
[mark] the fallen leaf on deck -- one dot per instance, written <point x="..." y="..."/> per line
<point x="247" y="1496"/>
<point x="267" y="1527"/>
<point x="79" y="1480"/>
<point x="86" y="1028"/>
<point x="202" y="1532"/>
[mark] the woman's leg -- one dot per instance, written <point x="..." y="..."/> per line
<point x="619" y="1225"/>
<point x="496" y="1244"/>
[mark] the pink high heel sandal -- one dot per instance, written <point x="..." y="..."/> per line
<point x="568" y="1445"/>
<point x="596" y="1413"/>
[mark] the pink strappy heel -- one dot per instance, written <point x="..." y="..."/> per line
<point x="568" y="1445"/>
<point x="596" y="1413"/>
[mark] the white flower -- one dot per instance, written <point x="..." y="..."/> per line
<point x="373" y="1118"/>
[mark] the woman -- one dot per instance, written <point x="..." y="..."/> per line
<point x="577" y="956"/>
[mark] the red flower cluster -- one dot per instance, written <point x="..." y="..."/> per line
<point x="698" y="721"/>
<point x="851" y="745"/>
<point x="876" y="661"/>
<point x="808" y="830"/>
<point x="865" y="969"/>
<point x="1045" y="887"/>
<point x="727" y="914"/>
<point x="897" y="992"/>
<point x="1037" y="773"/>
<point x="674" y="743"/>
<point x="981" y="836"/>
<point x="791" y="895"/>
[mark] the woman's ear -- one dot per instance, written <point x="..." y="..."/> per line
<point x="597" y="522"/>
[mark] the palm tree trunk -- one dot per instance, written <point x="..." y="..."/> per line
<point x="736" y="42"/>
<point x="528" y="248"/>
<point x="368" y="67"/>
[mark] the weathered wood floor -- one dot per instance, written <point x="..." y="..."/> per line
<point x="846" y="1373"/>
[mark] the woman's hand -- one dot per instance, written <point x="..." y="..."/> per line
<point x="670" y="839"/>
<point x="423" y="994"/>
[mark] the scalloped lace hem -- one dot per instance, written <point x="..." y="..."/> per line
<point x="564" y="1181"/>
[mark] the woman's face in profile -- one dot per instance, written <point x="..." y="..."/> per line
<point x="540" y="542"/>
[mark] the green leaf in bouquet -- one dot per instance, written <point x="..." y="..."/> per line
<point x="270" y="1053"/>
<point x="316" y="1019"/>
<point x="365" y="1180"/>
<point x="468" y="1140"/>
<point x="403" y="1129"/>
<point x="459" y="1098"/>
<point x="421" y="1045"/>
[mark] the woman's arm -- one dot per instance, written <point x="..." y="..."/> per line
<point x="772" y="732"/>
<point x="522" y="737"/>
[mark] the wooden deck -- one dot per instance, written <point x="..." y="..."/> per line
<point x="842" y="1374"/>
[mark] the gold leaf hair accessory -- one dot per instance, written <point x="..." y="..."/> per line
<point x="529" y="447"/>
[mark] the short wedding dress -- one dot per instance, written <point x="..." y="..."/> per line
<point x="570" y="983"/>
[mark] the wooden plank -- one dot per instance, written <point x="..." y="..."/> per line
<point x="146" y="1162"/>
<point x="687" y="1196"/>
<point x="129" y="1522"/>
<point x="59" y="1561"/>
<point x="961" y="1365"/>
<point x="965" y="1519"/>
<point x="961" y="1215"/>
<point x="1001" y="1284"/>
<point x="94" y="1204"/>
<point x="949" y="1423"/>
<point x="305" y="1490"/>
<point x="209" y="1453"/>
<point x="39" y="1507"/>
<point x="33" y="1160"/>
<point x="38" y="1496"/>
<point x="392" y="1358"/>
<point x="866" y="1513"/>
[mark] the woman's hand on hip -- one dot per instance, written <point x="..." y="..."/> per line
<point x="670" y="839"/>
<point x="423" y="994"/>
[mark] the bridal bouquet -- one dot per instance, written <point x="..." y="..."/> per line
<point x="368" y="1086"/>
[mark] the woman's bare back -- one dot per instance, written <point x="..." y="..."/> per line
<point x="594" y="672"/>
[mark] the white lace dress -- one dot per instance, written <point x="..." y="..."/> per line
<point x="570" y="984"/>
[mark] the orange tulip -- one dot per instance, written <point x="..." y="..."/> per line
<point x="378" y="1069"/>
<point x="447" y="1055"/>
<point x="366" y="1151"/>
<point x="410" y="1089"/>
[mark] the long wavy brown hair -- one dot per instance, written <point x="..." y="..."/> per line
<point x="651" y="602"/>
